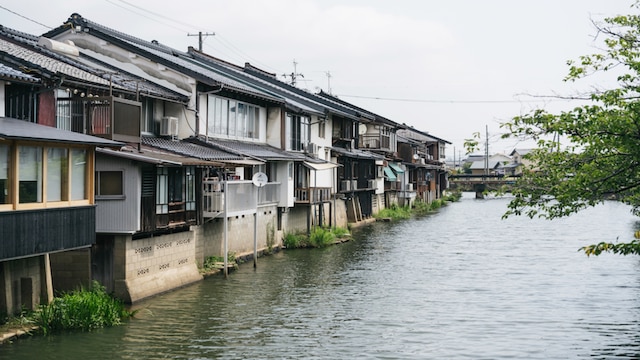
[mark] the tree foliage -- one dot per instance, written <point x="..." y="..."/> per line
<point x="602" y="158"/>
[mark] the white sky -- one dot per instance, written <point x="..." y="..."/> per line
<point x="446" y="67"/>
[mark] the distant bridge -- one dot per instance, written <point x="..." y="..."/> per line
<point x="480" y="183"/>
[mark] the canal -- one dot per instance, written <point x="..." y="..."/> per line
<point x="457" y="284"/>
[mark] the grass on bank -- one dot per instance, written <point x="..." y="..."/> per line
<point x="82" y="309"/>
<point x="396" y="212"/>
<point x="319" y="237"/>
<point x="216" y="263"/>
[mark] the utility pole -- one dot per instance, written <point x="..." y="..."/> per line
<point x="294" y="75"/>
<point x="486" y="151"/>
<point x="200" y="35"/>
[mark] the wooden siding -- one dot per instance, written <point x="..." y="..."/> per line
<point x="32" y="232"/>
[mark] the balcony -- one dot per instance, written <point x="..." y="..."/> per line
<point x="243" y="197"/>
<point x="375" y="142"/>
<point x="106" y="117"/>
<point x="312" y="195"/>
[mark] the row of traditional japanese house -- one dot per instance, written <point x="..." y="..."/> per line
<point x="129" y="162"/>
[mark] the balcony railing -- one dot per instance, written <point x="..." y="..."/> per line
<point x="375" y="141"/>
<point x="242" y="195"/>
<point x="312" y="195"/>
<point x="107" y="117"/>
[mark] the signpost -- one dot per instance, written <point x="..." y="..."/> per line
<point x="259" y="179"/>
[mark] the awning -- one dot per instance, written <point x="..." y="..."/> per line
<point x="389" y="175"/>
<point x="320" y="166"/>
<point x="396" y="168"/>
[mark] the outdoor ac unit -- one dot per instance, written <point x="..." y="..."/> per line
<point x="372" y="184"/>
<point x="354" y="184"/>
<point x="345" y="185"/>
<point x="409" y="187"/>
<point x="169" y="126"/>
<point x="311" y="149"/>
<point x="422" y="161"/>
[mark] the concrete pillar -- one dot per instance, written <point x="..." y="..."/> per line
<point x="46" y="282"/>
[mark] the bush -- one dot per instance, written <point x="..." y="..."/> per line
<point x="82" y="310"/>
<point x="292" y="241"/>
<point x="395" y="212"/>
<point x="339" y="231"/>
<point x="321" y="237"/>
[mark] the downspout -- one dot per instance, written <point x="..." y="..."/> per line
<point x="206" y="135"/>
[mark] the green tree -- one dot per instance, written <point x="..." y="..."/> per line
<point x="602" y="158"/>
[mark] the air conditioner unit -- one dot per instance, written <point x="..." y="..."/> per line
<point x="422" y="161"/>
<point x="311" y="149"/>
<point x="409" y="187"/>
<point x="372" y="184"/>
<point x="345" y="185"/>
<point x="169" y="126"/>
<point x="354" y="184"/>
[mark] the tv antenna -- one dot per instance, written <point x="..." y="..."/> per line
<point x="294" y="75"/>
<point x="328" y="73"/>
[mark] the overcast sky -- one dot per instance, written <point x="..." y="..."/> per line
<point x="446" y="67"/>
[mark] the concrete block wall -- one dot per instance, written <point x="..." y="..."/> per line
<point x="71" y="270"/>
<point x="17" y="274"/>
<point x="156" y="265"/>
<point x="240" y="233"/>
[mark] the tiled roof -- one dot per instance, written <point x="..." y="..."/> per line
<point x="357" y="153"/>
<point x="169" y="57"/>
<point x="24" y="130"/>
<point x="9" y="73"/>
<point x="293" y="101"/>
<point x="256" y="150"/>
<point x="24" y="48"/>
<point x="191" y="149"/>
<point x="48" y="63"/>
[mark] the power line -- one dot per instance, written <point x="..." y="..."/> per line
<point x="144" y="15"/>
<point x="455" y="101"/>
<point x="26" y="18"/>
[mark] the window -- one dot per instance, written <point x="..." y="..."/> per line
<point x="78" y="174"/>
<point x="297" y="129"/>
<point x="175" y="189"/>
<point x="190" y="181"/>
<point x="110" y="184"/>
<point x="43" y="176"/>
<point x="322" y="128"/>
<point x="57" y="177"/>
<point x="232" y="118"/>
<point x="148" y="123"/>
<point x="5" y="165"/>
<point x="162" y="185"/>
<point x="30" y="174"/>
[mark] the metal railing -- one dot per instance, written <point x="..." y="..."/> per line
<point x="242" y="196"/>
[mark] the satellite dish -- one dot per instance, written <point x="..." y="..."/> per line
<point x="362" y="129"/>
<point x="416" y="156"/>
<point x="259" y="179"/>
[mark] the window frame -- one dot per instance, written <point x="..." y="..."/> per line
<point x="98" y="179"/>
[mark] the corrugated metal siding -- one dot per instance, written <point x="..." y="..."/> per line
<point x="119" y="215"/>
<point x="33" y="232"/>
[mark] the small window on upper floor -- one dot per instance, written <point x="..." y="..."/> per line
<point x="109" y="184"/>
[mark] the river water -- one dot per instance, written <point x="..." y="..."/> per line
<point x="457" y="284"/>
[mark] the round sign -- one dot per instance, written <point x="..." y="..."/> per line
<point x="259" y="179"/>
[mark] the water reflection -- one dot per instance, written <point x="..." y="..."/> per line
<point x="459" y="283"/>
